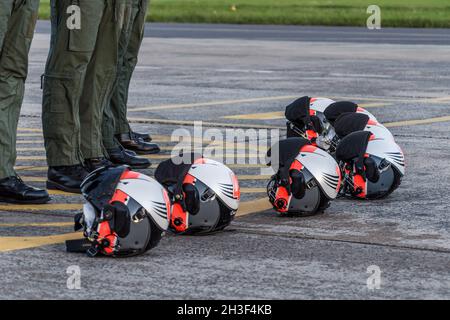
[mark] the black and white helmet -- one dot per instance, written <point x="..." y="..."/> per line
<point x="373" y="167"/>
<point x="205" y="194"/>
<point x="125" y="214"/>
<point x="307" y="178"/>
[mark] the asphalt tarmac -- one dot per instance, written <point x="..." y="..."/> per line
<point x="244" y="80"/>
<point x="291" y="33"/>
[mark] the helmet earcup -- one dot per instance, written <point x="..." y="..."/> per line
<point x="192" y="199"/>
<point x="372" y="172"/>
<point x="298" y="186"/>
<point x="119" y="218"/>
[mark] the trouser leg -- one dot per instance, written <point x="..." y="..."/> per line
<point x="100" y="78"/>
<point x="127" y="64"/>
<point x="70" y="54"/>
<point x="17" y="22"/>
<point x="115" y="116"/>
<point x="109" y="116"/>
<point x="6" y="7"/>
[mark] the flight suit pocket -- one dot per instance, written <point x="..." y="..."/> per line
<point x="85" y="38"/>
<point x="8" y="92"/>
<point x="56" y="93"/>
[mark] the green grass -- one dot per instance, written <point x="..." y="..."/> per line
<point x="395" y="13"/>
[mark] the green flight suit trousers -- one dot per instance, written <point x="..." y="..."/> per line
<point x="17" y="22"/>
<point x="79" y="78"/>
<point x="115" y="115"/>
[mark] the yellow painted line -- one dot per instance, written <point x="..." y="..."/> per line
<point x="210" y="103"/>
<point x="417" y="122"/>
<point x="213" y="147"/>
<point x="205" y="143"/>
<point x="30" y="168"/>
<point x="30" y="149"/>
<point x="275" y="98"/>
<point x="204" y="123"/>
<point x="34" y="179"/>
<point x="254" y="206"/>
<point x="158" y="139"/>
<point x="20" y="243"/>
<point x="224" y="157"/>
<point x="44" y="169"/>
<point x="253" y="190"/>
<point x="62" y="193"/>
<point x="175" y="139"/>
<point x="30" y="141"/>
<point x="42" y="207"/>
<point x="28" y="130"/>
<point x="29" y="134"/>
<point x="414" y="122"/>
<point x="258" y="116"/>
<point x="38" y="224"/>
<point x="280" y="114"/>
<point x="253" y="177"/>
<point x="241" y="177"/>
<point x="31" y="158"/>
<point x="436" y="100"/>
<point x="374" y="105"/>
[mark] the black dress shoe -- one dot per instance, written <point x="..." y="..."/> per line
<point x="120" y="156"/>
<point x="96" y="163"/>
<point x="129" y="152"/>
<point x="144" y="136"/>
<point x="67" y="178"/>
<point x="131" y="142"/>
<point x="14" y="190"/>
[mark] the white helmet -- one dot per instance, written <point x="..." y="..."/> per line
<point x="314" y="119"/>
<point x="125" y="213"/>
<point x="320" y="104"/>
<point x="347" y="123"/>
<point x="335" y="109"/>
<point x="205" y="194"/>
<point x="373" y="167"/>
<point x="307" y="177"/>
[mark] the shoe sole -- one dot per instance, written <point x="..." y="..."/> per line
<point x="39" y="201"/>
<point x="55" y="186"/>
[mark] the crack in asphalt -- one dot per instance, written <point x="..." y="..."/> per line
<point x="306" y="237"/>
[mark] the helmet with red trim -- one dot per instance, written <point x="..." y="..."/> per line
<point x="334" y="110"/>
<point x="319" y="104"/>
<point x="301" y="122"/>
<point x="373" y="167"/>
<point x="306" y="180"/>
<point x="205" y="194"/>
<point x="125" y="213"/>
<point x="315" y="118"/>
<point x="349" y="122"/>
